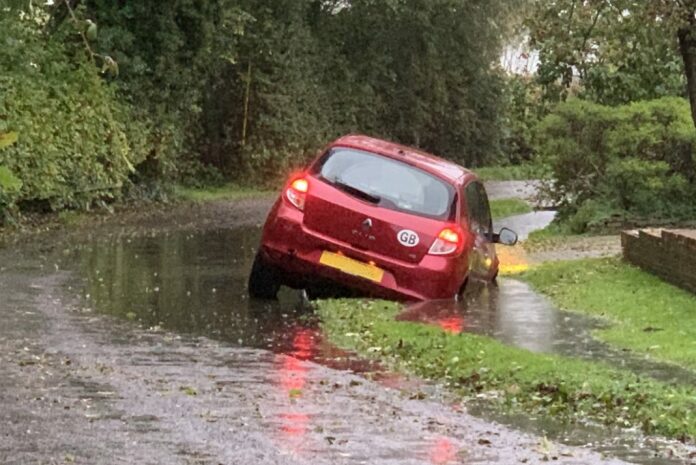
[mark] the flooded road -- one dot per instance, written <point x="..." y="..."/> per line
<point x="183" y="282"/>
<point x="79" y="386"/>
<point x="196" y="284"/>
<point x="144" y="348"/>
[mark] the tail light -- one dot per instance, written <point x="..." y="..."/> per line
<point x="449" y="241"/>
<point x="296" y="192"/>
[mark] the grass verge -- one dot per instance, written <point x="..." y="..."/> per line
<point x="648" y="315"/>
<point x="510" y="172"/>
<point x="509" y="207"/>
<point x="552" y="236"/>
<point x="226" y="192"/>
<point x="508" y="377"/>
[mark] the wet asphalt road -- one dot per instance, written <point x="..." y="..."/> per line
<point x="141" y="347"/>
<point x="84" y="388"/>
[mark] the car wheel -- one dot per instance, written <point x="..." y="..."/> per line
<point x="264" y="282"/>
<point x="462" y="289"/>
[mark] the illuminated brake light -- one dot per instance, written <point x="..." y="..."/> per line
<point x="300" y="185"/>
<point x="296" y="192"/>
<point x="449" y="241"/>
<point x="449" y="235"/>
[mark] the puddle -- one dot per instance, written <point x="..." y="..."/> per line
<point x="195" y="283"/>
<point x="515" y="315"/>
<point x="526" y="223"/>
<point x="184" y="282"/>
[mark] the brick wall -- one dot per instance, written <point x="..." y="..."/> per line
<point x="668" y="253"/>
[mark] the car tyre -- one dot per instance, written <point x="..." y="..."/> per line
<point x="264" y="282"/>
<point x="459" y="296"/>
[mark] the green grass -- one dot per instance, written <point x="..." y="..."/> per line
<point x="552" y="236"/>
<point x="511" y="378"/>
<point x="510" y="172"/>
<point x="226" y="192"/>
<point x="553" y="231"/>
<point x="648" y="315"/>
<point x="509" y="207"/>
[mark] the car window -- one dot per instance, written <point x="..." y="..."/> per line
<point x="387" y="182"/>
<point x="478" y="209"/>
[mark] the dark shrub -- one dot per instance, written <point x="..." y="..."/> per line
<point x="633" y="162"/>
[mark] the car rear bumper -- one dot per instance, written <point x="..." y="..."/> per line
<point x="296" y="251"/>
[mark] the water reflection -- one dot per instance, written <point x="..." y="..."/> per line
<point x="292" y="373"/>
<point x="196" y="284"/>
<point x="510" y="312"/>
<point x="515" y="315"/>
<point x="526" y="223"/>
<point x="443" y="451"/>
<point x="186" y="283"/>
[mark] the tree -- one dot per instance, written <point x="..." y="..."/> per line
<point x="421" y="72"/>
<point x="686" y="31"/>
<point x="618" y="51"/>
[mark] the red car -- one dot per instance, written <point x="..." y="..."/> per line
<point x="381" y="219"/>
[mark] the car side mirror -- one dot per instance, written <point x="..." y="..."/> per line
<point x="506" y="237"/>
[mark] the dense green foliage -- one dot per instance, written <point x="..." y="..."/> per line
<point x="426" y="69"/>
<point x="76" y="142"/>
<point x="609" y="51"/>
<point x="524" y="106"/>
<point x="9" y="183"/>
<point x="634" y="162"/>
<point x="473" y="365"/>
<point x="648" y="315"/>
<point x="112" y="96"/>
<point x="107" y="95"/>
<point x="252" y="87"/>
<point x="622" y="149"/>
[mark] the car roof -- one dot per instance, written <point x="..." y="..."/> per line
<point x="440" y="167"/>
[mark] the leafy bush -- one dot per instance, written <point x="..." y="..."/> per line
<point x="635" y="162"/>
<point x="9" y="183"/>
<point x="77" y="142"/>
<point x="524" y="108"/>
<point x="243" y="90"/>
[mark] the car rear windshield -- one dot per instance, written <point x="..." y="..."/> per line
<point x="387" y="182"/>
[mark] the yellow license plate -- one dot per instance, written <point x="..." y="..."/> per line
<point x="352" y="267"/>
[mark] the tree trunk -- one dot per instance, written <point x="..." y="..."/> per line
<point x="687" y="47"/>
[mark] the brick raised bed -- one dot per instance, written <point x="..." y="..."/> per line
<point x="668" y="253"/>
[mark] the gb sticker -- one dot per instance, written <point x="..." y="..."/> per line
<point x="408" y="238"/>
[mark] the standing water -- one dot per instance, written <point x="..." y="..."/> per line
<point x="195" y="283"/>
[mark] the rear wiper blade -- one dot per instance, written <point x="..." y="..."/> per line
<point x="356" y="192"/>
